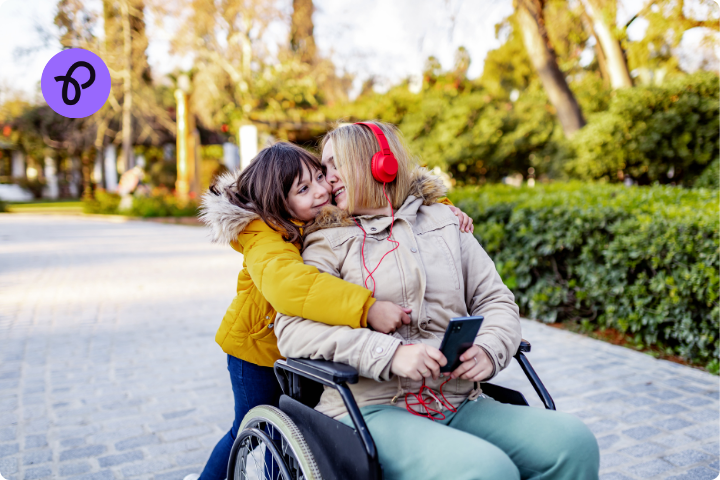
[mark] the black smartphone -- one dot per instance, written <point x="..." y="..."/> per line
<point x="459" y="336"/>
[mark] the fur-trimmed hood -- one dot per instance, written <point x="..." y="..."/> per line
<point x="225" y="219"/>
<point x="425" y="186"/>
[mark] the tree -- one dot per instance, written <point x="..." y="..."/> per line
<point x="655" y="56"/>
<point x="531" y="21"/>
<point x="602" y="14"/>
<point x="301" y="30"/>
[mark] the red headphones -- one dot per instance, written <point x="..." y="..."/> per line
<point x="384" y="164"/>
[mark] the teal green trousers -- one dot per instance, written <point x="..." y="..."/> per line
<point x="484" y="440"/>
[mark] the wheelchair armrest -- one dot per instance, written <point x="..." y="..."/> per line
<point x="524" y="346"/>
<point x="332" y="372"/>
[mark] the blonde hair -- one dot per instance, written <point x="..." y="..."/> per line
<point x="353" y="148"/>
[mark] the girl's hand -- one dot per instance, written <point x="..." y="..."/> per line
<point x="417" y="361"/>
<point x="386" y="317"/>
<point x="466" y="223"/>
<point x="476" y="365"/>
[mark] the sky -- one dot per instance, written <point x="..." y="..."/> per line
<point x="388" y="40"/>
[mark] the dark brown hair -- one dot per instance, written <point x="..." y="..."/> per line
<point x="264" y="185"/>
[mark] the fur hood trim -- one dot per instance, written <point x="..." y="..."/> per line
<point x="225" y="219"/>
<point x="425" y="186"/>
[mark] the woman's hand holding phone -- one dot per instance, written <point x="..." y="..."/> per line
<point x="476" y="365"/>
<point x="417" y="361"/>
<point x="386" y="317"/>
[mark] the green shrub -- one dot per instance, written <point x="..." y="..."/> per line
<point x="710" y="178"/>
<point x="3" y="207"/>
<point x="104" y="203"/>
<point x="158" y="203"/>
<point x="643" y="260"/>
<point x="655" y="134"/>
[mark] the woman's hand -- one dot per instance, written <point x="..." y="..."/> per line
<point x="417" y="361"/>
<point x="466" y="223"/>
<point x="386" y="317"/>
<point x="476" y="365"/>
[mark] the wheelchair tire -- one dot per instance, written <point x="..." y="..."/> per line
<point x="265" y="424"/>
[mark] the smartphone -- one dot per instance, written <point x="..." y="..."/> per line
<point x="459" y="336"/>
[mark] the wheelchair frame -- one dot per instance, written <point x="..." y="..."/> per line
<point x="342" y="452"/>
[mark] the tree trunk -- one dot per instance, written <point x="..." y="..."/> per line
<point x="301" y="30"/>
<point x="543" y="58"/>
<point x="127" y="88"/>
<point x="614" y="56"/>
<point x="599" y="52"/>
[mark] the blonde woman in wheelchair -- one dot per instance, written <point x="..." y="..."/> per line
<point x="387" y="234"/>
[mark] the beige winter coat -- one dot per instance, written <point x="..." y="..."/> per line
<point x="437" y="271"/>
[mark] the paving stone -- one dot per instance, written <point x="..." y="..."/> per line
<point x="136" y="442"/>
<point x="35" y="441"/>
<point x="614" y="476"/>
<point x="668" y="408"/>
<point x="607" y="441"/>
<point x="149" y="466"/>
<point x="198" y="457"/>
<point x="175" y="474"/>
<point x="72" y="442"/>
<point x="74" y="469"/>
<point x="644" y="450"/>
<point x="112" y="460"/>
<point x="174" y="435"/>
<point x="688" y="457"/>
<point x="650" y="469"/>
<point x="37" y="472"/>
<point x="699" y="473"/>
<point x="101" y="475"/>
<point x="34" y="457"/>
<point x="7" y="434"/>
<point x="708" y="431"/>
<point x="82" y="452"/>
<point x="673" y="424"/>
<point x="9" y="449"/>
<point x="641" y="433"/>
<point x="8" y="465"/>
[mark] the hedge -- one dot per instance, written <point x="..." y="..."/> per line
<point x="643" y="260"/>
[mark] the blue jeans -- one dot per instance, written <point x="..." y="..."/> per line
<point x="252" y="385"/>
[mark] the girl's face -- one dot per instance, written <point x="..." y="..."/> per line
<point x="333" y="176"/>
<point x="308" y="195"/>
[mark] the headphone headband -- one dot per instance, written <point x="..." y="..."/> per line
<point x="384" y="164"/>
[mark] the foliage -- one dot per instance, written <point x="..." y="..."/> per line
<point x="160" y="202"/>
<point x="710" y="178"/>
<point x="3" y="207"/>
<point x="643" y="260"/>
<point x="654" y="134"/>
<point x="103" y="202"/>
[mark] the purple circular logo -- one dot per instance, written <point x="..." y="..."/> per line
<point x="75" y="83"/>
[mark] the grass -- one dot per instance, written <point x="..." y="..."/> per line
<point x="55" y="207"/>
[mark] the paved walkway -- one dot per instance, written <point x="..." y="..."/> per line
<point x="108" y="368"/>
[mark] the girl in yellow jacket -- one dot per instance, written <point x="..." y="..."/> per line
<point x="260" y="212"/>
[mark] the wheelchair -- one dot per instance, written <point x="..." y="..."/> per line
<point x="296" y="442"/>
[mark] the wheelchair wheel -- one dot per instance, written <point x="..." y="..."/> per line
<point x="270" y="446"/>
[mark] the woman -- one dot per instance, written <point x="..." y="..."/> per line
<point x="260" y="212"/>
<point x="424" y="425"/>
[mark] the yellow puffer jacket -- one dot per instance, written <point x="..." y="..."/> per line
<point x="273" y="278"/>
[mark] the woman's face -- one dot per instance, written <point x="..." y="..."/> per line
<point x="308" y="195"/>
<point x="333" y="176"/>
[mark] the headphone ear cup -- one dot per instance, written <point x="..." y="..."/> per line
<point x="384" y="167"/>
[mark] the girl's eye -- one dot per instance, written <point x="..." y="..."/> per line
<point x="302" y="189"/>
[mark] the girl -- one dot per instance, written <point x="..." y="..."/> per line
<point x="260" y="212"/>
<point x="424" y="425"/>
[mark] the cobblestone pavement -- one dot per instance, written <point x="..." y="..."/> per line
<point x="109" y="370"/>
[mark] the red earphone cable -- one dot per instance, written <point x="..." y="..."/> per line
<point x="426" y="405"/>
<point x="362" y="251"/>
